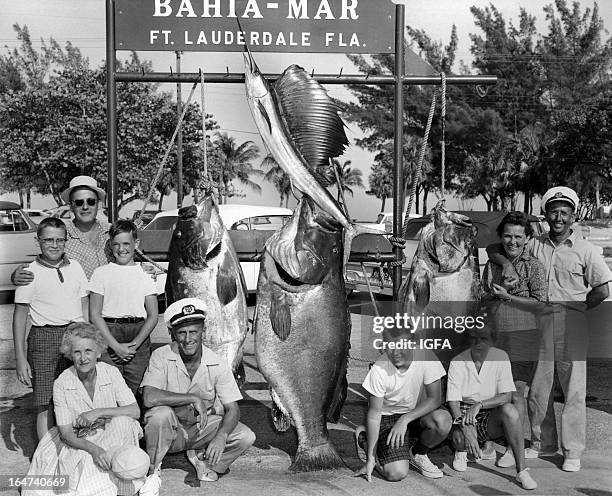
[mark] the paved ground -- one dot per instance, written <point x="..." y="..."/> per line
<point x="263" y="470"/>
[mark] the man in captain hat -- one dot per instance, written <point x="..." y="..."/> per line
<point x="577" y="281"/>
<point x="191" y="399"/>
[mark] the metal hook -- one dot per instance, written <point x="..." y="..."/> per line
<point x="482" y="90"/>
<point x="142" y="70"/>
<point x="367" y="76"/>
<point x="171" y="70"/>
<point x="227" y="71"/>
<point x="312" y="73"/>
<point x="340" y="73"/>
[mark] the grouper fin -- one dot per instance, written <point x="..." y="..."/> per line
<point x="280" y="416"/>
<point x="311" y="118"/>
<point x="227" y="288"/>
<point x="419" y="284"/>
<point x="280" y="315"/>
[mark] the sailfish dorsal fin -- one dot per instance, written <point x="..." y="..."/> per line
<point x="312" y="120"/>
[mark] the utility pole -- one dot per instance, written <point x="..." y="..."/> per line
<point x="179" y="138"/>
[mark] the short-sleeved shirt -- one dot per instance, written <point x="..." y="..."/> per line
<point x="89" y="255"/>
<point x="213" y="381"/>
<point x="53" y="302"/>
<point x="124" y="288"/>
<point x="532" y="283"/>
<point x="70" y="398"/>
<point x="401" y="390"/>
<point x="573" y="268"/>
<point x="465" y="383"/>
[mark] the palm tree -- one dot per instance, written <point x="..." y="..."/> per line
<point x="235" y="163"/>
<point x="279" y="179"/>
<point x="348" y="176"/>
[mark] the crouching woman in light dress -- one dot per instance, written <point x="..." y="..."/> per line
<point x="95" y="413"/>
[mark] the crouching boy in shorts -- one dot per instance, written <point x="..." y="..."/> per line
<point x="405" y="397"/>
<point x="124" y="306"/>
<point x="56" y="297"/>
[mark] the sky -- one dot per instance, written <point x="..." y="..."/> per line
<point x="83" y="23"/>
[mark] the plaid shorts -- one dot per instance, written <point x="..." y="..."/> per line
<point x="482" y="423"/>
<point x="45" y="360"/>
<point x="387" y="454"/>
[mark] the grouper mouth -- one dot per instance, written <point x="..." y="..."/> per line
<point x="198" y="251"/>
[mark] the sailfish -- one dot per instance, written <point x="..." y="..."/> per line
<point x="301" y="128"/>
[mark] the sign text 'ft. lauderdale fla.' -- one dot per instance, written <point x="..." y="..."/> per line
<point x="341" y="26"/>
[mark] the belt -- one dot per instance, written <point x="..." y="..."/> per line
<point x="123" y="320"/>
<point x="50" y="326"/>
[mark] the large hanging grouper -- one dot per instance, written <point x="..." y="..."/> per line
<point x="444" y="282"/>
<point x="203" y="264"/>
<point x="302" y="328"/>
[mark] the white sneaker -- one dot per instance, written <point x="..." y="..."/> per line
<point x="460" y="461"/>
<point x="531" y="453"/>
<point x="506" y="460"/>
<point x="571" y="465"/>
<point x="151" y="485"/>
<point x="525" y="480"/>
<point x="361" y="443"/>
<point x="489" y="453"/>
<point x="423" y="464"/>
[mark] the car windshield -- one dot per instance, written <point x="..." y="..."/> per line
<point x="162" y="223"/>
<point x="261" y="223"/>
<point x="13" y="221"/>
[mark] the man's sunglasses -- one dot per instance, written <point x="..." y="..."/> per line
<point x="80" y="202"/>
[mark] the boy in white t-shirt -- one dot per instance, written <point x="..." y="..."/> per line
<point x="56" y="297"/>
<point x="123" y="305"/>
<point x="405" y="397"/>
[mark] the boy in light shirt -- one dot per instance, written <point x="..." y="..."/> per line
<point x="479" y="396"/>
<point x="56" y="297"/>
<point x="405" y="397"/>
<point x="123" y="305"/>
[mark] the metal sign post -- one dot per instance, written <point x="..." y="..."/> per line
<point x="303" y="23"/>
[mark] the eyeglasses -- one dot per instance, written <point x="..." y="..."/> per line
<point x="52" y="241"/>
<point x="80" y="202"/>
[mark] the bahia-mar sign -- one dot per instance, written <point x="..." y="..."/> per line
<point x="341" y="26"/>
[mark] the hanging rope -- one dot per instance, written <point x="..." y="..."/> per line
<point x="443" y="142"/>
<point x="417" y="173"/>
<point x="160" y="169"/>
<point x="203" y="142"/>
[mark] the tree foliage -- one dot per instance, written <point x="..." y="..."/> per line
<point x="53" y="127"/>
<point x="544" y="123"/>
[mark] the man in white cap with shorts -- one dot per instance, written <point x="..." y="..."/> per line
<point x="577" y="281"/>
<point x="192" y="401"/>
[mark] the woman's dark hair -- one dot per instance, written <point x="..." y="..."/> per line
<point x="516" y="219"/>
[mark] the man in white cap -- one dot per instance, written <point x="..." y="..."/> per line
<point x="86" y="234"/>
<point x="577" y="281"/>
<point x="192" y="401"/>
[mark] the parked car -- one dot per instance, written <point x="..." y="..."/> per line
<point x="36" y="215"/>
<point x="147" y="216"/>
<point x="239" y="220"/>
<point x="17" y="242"/>
<point x="380" y="277"/>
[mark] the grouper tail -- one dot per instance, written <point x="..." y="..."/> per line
<point x="322" y="457"/>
